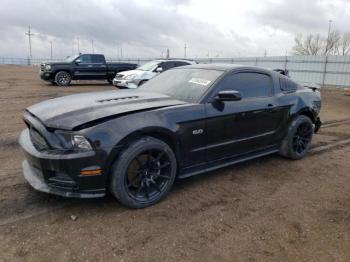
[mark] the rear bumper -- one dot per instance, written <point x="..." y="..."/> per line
<point x="318" y="124"/>
<point x="60" y="174"/>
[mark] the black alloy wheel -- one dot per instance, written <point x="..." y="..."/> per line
<point x="143" y="173"/>
<point x="148" y="175"/>
<point x="298" y="139"/>
<point x="302" y="138"/>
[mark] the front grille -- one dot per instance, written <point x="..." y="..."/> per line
<point x="42" y="67"/>
<point x="61" y="181"/>
<point x="38" y="140"/>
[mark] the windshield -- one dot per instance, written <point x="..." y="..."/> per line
<point x="149" y="66"/>
<point x="70" y="58"/>
<point x="183" y="84"/>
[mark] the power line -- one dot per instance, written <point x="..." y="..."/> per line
<point x="29" y="34"/>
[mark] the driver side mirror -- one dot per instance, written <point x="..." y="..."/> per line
<point x="159" y="69"/>
<point x="78" y="61"/>
<point x="228" y="95"/>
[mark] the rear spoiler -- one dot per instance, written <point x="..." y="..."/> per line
<point x="284" y="72"/>
<point x="312" y="86"/>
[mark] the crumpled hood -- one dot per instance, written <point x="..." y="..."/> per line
<point x="74" y="110"/>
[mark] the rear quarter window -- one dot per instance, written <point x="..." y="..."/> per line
<point x="288" y="85"/>
<point x="249" y="84"/>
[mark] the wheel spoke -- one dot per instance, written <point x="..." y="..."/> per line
<point x="163" y="176"/>
<point x="146" y="191"/>
<point x="154" y="184"/>
<point x="164" y="165"/>
<point x="159" y="156"/>
<point x="140" y="188"/>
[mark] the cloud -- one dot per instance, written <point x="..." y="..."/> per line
<point x="141" y="30"/>
<point x="301" y="16"/>
<point x="145" y="29"/>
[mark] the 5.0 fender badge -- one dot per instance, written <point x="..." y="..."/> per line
<point x="197" y="131"/>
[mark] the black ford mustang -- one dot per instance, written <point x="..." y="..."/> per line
<point x="186" y="121"/>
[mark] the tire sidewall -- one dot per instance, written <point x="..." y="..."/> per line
<point x="287" y="144"/>
<point x="119" y="169"/>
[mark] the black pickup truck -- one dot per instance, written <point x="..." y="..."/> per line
<point x="82" y="67"/>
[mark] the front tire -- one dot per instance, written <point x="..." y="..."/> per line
<point x="63" y="78"/>
<point x="298" y="139"/>
<point x="144" y="173"/>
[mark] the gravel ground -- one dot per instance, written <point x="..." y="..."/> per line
<point x="270" y="209"/>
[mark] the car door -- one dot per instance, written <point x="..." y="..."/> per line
<point x="83" y="68"/>
<point x="100" y="67"/>
<point x="238" y="127"/>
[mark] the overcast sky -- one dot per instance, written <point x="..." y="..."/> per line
<point x="145" y="29"/>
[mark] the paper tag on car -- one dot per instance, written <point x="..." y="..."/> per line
<point x="199" y="81"/>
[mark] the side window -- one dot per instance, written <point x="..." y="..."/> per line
<point x="85" y="59"/>
<point x="181" y="63"/>
<point x="248" y="84"/>
<point x="168" y="65"/>
<point x="98" y="59"/>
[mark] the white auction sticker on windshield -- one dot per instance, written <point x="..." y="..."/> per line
<point x="200" y="81"/>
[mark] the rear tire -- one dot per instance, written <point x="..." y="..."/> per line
<point x="144" y="173"/>
<point x="63" y="78"/>
<point x="298" y="139"/>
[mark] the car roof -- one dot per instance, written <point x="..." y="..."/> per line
<point x="228" y="67"/>
<point x="175" y="60"/>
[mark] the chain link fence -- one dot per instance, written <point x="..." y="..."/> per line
<point x="323" y="70"/>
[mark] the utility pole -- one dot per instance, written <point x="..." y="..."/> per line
<point x="51" y="50"/>
<point x="185" y="49"/>
<point x="78" y="45"/>
<point x="92" y="46"/>
<point x="265" y="53"/>
<point x="29" y="34"/>
<point x="121" y="52"/>
<point x="167" y="53"/>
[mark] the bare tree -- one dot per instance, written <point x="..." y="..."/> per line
<point x="332" y="43"/>
<point x="311" y="45"/>
<point x="314" y="44"/>
<point x="345" y="44"/>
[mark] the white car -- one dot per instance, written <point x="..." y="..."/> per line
<point x="135" y="78"/>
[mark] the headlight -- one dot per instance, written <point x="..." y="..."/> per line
<point x="47" y="67"/>
<point x="130" y="77"/>
<point x="81" y="142"/>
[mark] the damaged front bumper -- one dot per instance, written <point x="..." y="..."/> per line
<point x="61" y="174"/>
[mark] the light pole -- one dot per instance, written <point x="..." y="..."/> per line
<point x="329" y="33"/>
<point x="29" y="34"/>
<point x="51" y="50"/>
